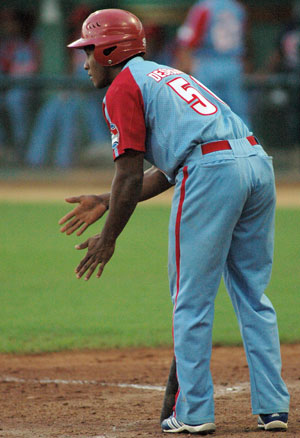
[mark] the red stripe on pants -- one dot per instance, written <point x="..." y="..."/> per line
<point x="177" y="230"/>
<point x="177" y="251"/>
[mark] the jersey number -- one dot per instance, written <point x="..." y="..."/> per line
<point x="192" y="96"/>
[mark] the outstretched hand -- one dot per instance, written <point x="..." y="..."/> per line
<point x="90" y="209"/>
<point x="98" y="252"/>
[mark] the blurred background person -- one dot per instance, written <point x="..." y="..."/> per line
<point x="281" y="102"/>
<point x="286" y="55"/>
<point x="19" y="58"/>
<point x="66" y="114"/>
<point x="211" y="46"/>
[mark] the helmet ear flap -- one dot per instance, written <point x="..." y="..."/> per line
<point x="107" y="52"/>
<point x="101" y="55"/>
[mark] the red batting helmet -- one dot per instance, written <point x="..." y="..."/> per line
<point x="116" y="34"/>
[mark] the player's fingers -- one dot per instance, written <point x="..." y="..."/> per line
<point x="100" y="270"/>
<point x="74" y="226"/>
<point x="73" y="199"/>
<point x="91" y="270"/>
<point x="82" y="229"/>
<point x="69" y="226"/>
<point x="84" y="265"/>
<point x="66" y="217"/>
<point x="82" y="245"/>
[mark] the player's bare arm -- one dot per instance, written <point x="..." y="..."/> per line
<point x="125" y="194"/>
<point x="155" y="182"/>
<point x="93" y="207"/>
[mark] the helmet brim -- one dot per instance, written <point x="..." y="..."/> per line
<point x="81" y="43"/>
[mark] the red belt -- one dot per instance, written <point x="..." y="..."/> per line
<point x="222" y="145"/>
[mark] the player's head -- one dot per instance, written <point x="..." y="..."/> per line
<point x="115" y="34"/>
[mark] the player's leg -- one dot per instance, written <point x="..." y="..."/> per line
<point x="203" y="216"/>
<point x="226" y="79"/>
<point x="94" y="121"/>
<point x="210" y="72"/>
<point x="43" y="132"/>
<point x="234" y="92"/>
<point x="247" y="274"/>
<point x="68" y="131"/>
<point x="17" y="100"/>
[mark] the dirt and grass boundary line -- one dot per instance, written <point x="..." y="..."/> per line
<point x="54" y="186"/>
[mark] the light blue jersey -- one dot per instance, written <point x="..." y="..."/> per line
<point x="175" y="113"/>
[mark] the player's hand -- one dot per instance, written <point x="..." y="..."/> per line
<point x="90" y="209"/>
<point x="99" y="252"/>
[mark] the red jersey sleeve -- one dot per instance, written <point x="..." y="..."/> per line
<point x="192" y="32"/>
<point x="124" y="113"/>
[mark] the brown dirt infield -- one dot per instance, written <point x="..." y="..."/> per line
<point x="118" y="393"/>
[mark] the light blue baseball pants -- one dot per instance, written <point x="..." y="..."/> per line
<point x="222" y="222"/>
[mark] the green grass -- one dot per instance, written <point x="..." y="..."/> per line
<point x="43" y="307"/>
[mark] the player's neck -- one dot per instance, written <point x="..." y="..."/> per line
<point x="114" y="71"/>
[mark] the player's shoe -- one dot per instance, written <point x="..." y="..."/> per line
<point x="173" y="425"/>
<point x="276" y="422"/>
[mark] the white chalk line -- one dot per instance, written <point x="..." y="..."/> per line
<point x="219" y="390"/>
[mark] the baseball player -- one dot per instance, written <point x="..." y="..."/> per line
<point x="211" y="46"/>
<point x="222" y="216"/>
